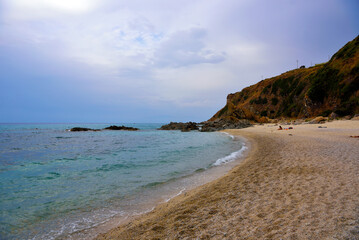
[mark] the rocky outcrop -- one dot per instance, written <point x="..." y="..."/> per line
<point x="221" y="124"/>
<point x="81" y="129"/>
<point x="113" y="127"/>
<point x="318" y="120"/>
<point x="333" y="116"/>
<point x="184" y="127"/>
<point x="209" y="126"/>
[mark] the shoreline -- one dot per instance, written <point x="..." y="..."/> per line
<point x="164" y="193"/>
<point x="298" y="186"/>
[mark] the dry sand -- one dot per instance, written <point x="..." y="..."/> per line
<point x="299" y="186"/>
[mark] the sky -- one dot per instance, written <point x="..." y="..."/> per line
<point x="79" y="61"/>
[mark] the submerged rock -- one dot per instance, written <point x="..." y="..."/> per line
<point x="114" y="127"/>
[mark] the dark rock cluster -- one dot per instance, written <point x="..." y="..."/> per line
<point x="113" y="127"/>
<point x="209" y="126"/>
<point x="184" y="127"/>
<point x="81" y="129"/>
<point x="221" y="124"/>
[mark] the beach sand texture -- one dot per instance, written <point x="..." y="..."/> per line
<point x="304" y="186"/>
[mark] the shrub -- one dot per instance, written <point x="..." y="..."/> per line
<point x="285" y="85"/>
<point x="265" y="89"/>
<point x="324" y="81"/>
<point x="223" y="110"/>
<point x="326" y="113"/>
<point x="274" y="101"/>
<point x="348" y="50"/>
<point x="348" y="90"/>
<point x="348" y="107"/>
<point x="299" y="89"/>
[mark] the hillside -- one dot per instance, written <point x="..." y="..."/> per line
<point x="301" y="93"/>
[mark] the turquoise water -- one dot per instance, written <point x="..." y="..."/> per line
<point x="54" y="182"/>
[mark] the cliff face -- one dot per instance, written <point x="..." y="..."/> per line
<point x="305" y="92"/>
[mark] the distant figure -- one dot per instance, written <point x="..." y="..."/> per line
<point x="280" y="128"/>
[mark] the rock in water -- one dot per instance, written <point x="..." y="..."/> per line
<point x="184" y="127"/>
<point x="113" y="127"/>
<point x="80" y="129"/>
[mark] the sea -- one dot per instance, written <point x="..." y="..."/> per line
<point x="57" y="184"/>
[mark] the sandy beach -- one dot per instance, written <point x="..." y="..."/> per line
<point x="301" y="183"/>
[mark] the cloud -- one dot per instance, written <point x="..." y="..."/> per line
<point x="195" y="86"/>
<point x="185" y="48"/>
<point x="164" y="54"/>
<point x="43" y="9"/>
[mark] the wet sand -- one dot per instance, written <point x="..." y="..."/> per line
<point x="294" y="184"/>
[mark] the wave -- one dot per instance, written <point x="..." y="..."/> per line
<point x="79" y="224"/>
<point x="231" y="157"/>
<point x="179" y="193"/>
<point x="231" y="136"/>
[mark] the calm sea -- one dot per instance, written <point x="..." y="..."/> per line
<point x="54" y="183"/>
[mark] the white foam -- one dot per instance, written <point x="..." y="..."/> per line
<point x="143" y="212"/>
<point x="83" y="223"/>
<point x="231" y="157"/>
<point x="231" y="136"/>
<point x="176" y="195"/>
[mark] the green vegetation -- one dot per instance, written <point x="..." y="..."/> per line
<point x="264" y="113"/>
<point x="299" y="89"/>
<point x="274" y="101"/>
<point x="348" y="50"/>
<point x="259" y="100"/>
<point x="348" y="107"/>
<point x="323" y="82"/>
<point x="287" y="86"/>
<point x="326" y="113"/>
<point x="349" y="89"/>
<point x="265" y="89"/>
<point x="223" y="110"/>
<point x="283" y="84"/>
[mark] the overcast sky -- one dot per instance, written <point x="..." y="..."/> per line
<point x="152" y="60"/>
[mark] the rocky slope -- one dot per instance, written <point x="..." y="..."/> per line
<point x="301" y="93"/>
